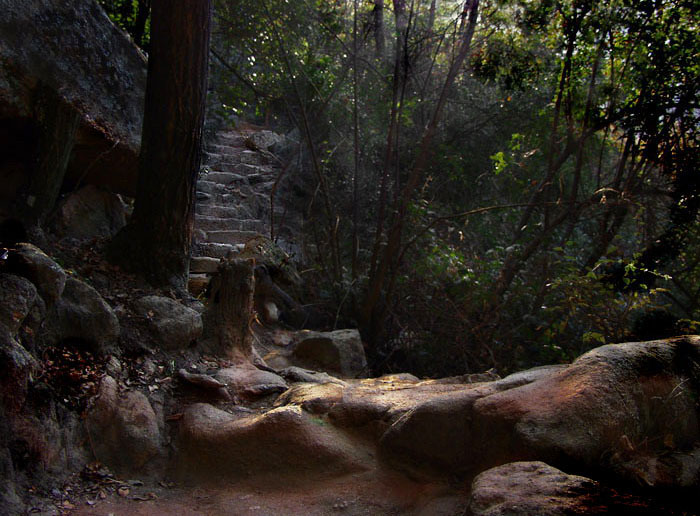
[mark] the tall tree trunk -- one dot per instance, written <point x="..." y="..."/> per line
<point x="378" y="13"/>
<point x="157" y="242"/>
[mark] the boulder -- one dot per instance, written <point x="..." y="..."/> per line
<point x="530" y="488"/>
<point x="71" y="48"/>
<point x="250" y="382"/>
<point x="16" y="367"/>
<point x="83" y="315"/>
<point x="298" y="374"/>
<point x="263" y="140"/>
<point x="123" y="429"/>
<point x="606" y="408"/>
<point x="18" y="298"/>
<point x="29" y="261"/>
<point x="173" y="325"/>
<point x="90" y="212"/>
<point x="282" y="446"/>
<point x="314" y="398"/>
<point x="337" y="352"/>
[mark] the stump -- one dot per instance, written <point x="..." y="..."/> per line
<point x="232" y="309"/>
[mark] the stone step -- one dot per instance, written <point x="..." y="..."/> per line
<point x="232" y="139"/>
<point x="204" y="265"/>
<point x="216" y="250"/>
<point x="250" y="157"/>
<point x="217" y="223"/>
<point x="225" y="149"/>
<point x="223" y="211"/>
<point x="230" y="236"/>
<point x="223" y="165"/>
<point x="224" y="177"/>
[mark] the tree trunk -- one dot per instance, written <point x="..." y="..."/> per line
<point x="157" y="242"/>
<point x="379" y="27"/>
<point x="232" y="308"/>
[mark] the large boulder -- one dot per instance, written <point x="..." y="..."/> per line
<point x="284" y="445"/>
<point x="123" y="429"/>
<point x="71" y="48"/>
<point x="82" y="315"/>
<point x="16" y="368"/>
<point x="339" y="352"/>
<point x="530" y="488"/>
<point x="248" y="381"/>
<point x="18" y="298"/>
<point x="172" y="325"/>
<point x="608" y="407"/>
<point x="90" y="212"/>
<point x="29" y="261"/>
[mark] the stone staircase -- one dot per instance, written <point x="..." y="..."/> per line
<point x="233" y="199"/>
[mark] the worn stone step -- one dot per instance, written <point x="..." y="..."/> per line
<point x="224" y="149"/>
<point x="217" y="250"/>
<point x="204" y="265"/>
<point x="223" y="165"/>
<point x="217" y="223"/>
<point x="250" y="157"/>
<point x="223" y="211"/>
<point x="225" y="177"/>
<point x="231" y="236"/>
<point x="231" y="139"/>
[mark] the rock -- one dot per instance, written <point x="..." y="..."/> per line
<point x="82" y="314"/>
<point x="29" y="261"/>
<point x="90" y="212"/>
<point x="338" y="352"/>
<point x="173" y="325"/>
<point x="16" y="367"/>
<point x="297" y="374"/>
<point x="248" y="381"/>
<point x="599" y="412"/>
<point x="71" y="48"/>
<point x="204" y="264"/>
<point x="282" y="446"/>
<point x="205" y="383"/>
<point x="437" y="433"/>
<point x="18" y="298"/>
<point x="123" y="429"/>
<point x="314" y="398"/>
<point x="613" y="395"/>
<point x="530" y="488"/>
<point x="262" y="140"/>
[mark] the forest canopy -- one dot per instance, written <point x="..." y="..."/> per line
<point x="486" y="183"/>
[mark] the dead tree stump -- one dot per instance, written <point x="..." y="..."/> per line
<point x="232" y="309"/>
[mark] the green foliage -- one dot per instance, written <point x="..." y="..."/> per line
<point x="133" y="16"/>
<point x="580" y="117"/>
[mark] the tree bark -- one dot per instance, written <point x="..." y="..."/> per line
<point x="157" y="242"/>
<point x="378" y="13"/>
<point x="232" y="309"/>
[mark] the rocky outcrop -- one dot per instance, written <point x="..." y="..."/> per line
<point x="29" y="261"/>
<point x="284" y="444"/>
<point x="535" y="488"/>
<point x="172" y="325"/>
<point x="70" y="52"/>
<point x="339" y="353"/>
<point x="82" y="315"/>
<point x="123" y="429"/>
<point x="600" y="411"/>
<point x="88" y="213"/>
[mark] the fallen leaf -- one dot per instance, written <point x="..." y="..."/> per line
<point x="123" y="491"/>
